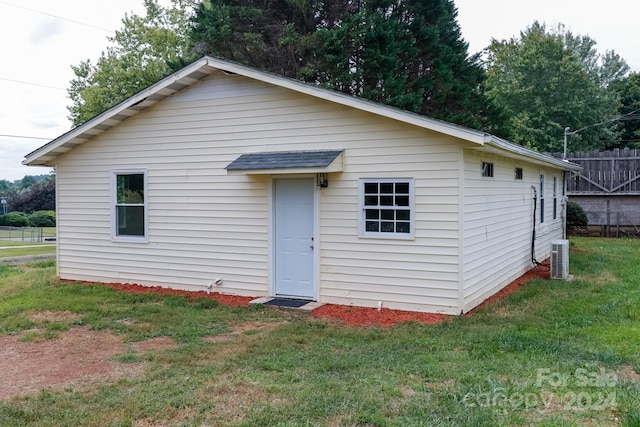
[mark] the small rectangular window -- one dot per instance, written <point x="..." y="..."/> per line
<point x="129" y="205"/>
<point x="518" y="173"/>
<point x="387" y="207"/>
<point x="487" y="169"/>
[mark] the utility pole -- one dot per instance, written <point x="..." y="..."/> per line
<point x="564" y="153"/>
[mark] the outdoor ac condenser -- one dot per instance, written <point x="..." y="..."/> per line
<point x="560" y="259"/>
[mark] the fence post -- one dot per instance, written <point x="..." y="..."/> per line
<point x="608" y="218"/>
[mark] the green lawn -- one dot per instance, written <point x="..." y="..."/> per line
<point x="23" y="249"/>
<point x="554" y="354"/>
<point x="13" y="248"/>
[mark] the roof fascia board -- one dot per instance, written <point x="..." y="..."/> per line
<point x="206" y="65"/>
<point x="451" y="129"/>
<point x="529" y="154"/>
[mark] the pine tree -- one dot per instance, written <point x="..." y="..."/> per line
<point x="405" y="53"/>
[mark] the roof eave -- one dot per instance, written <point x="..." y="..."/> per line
<point x="44" y="155"/>
<point x="528" y="154"/>
<point x="440" y="126"/>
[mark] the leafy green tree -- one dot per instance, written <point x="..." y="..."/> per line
<point x="39" y="196"/>
<point x="14" y="219"/>
<point x="27" y="181"/>
<point x="146" y="49"/>
<point x="405" y="53"/>
<point x="544" y="81"/>
<point x="4" y="186"/>
<point x="42" y="219"/>
<point x="628" y="91"/>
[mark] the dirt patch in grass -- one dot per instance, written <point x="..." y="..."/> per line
<point x="80" y="357"/>
<point x="627" y="373"/>
<point x="242" y="328"/>
<point x="154" y="344"/>
<point x="603" y="278"/>
<point x="53" y="316"/>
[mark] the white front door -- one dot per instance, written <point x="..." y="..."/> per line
<point x="293" y="237"/>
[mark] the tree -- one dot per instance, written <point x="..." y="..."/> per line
<point x="146" y="49"/>
<point x="14" y="219"/>
<point x="40" y="196"/>
<point x="405" y="53"/>
<point x="4" y="186"/>
<point x="27" y="181"/>
<point x="42" y="219"/>
<point x="545" y="81"/>
<point x="576" y="216"/>
<point x="628" y="91"/>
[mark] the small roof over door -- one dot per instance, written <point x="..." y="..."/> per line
<point x="287" y="162"/>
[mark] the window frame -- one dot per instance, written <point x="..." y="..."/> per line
<point x="486" y="170"/>
<point x="518" y="173"/>
<point x="115" y="173"/>
<point x="555" y="197"/>
<point x="362" y="209"/>
<point x="542" y="184"/>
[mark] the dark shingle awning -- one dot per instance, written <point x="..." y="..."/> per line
<point x="287" y="162"/>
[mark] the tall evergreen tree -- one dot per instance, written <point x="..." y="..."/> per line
<point x="405" y="53"/>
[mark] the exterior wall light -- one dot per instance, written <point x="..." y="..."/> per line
<point x="323" y="180"/>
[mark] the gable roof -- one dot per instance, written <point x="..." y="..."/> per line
<point x="200" y="69"/>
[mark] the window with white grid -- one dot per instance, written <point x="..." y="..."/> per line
<point x="387" y="207"/>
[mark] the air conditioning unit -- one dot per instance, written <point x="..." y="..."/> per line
<point x="560" y="259"/>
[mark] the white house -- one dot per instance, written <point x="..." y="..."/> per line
<point x="253" y="184"/>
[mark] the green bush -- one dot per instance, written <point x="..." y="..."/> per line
<point x="42" y="219"/>
<point x="576" y="217"/>
<point x="14" y="219"/>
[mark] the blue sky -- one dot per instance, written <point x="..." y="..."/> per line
<point x="38" y="49"/>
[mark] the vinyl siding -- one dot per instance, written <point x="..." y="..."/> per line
<point x="498" y="224"/>
<point x="205" y="224"/>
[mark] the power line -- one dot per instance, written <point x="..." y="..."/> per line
<point x="25" y="137"/>
<point x="30" y="83"/>
<point x="57" y="17"/>
<point x="628" y="116"/>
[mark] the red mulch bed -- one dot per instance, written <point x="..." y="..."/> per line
<point x="350" y="315"/>
<point x="366" y="316"/>
<point x="232" y="300"/>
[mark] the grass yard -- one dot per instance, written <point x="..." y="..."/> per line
<point x="24" y="249"/>
<point x="554" y="353"/>
<point x="14" y="248"/>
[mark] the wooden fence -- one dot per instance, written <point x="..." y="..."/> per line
<point x="605" y="172"/>
<point x="608" y="189"/>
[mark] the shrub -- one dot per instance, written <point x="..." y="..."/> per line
<point x="14" y="219"/>
<point x="42" y="219"/>
<point x="576" y="217"/>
